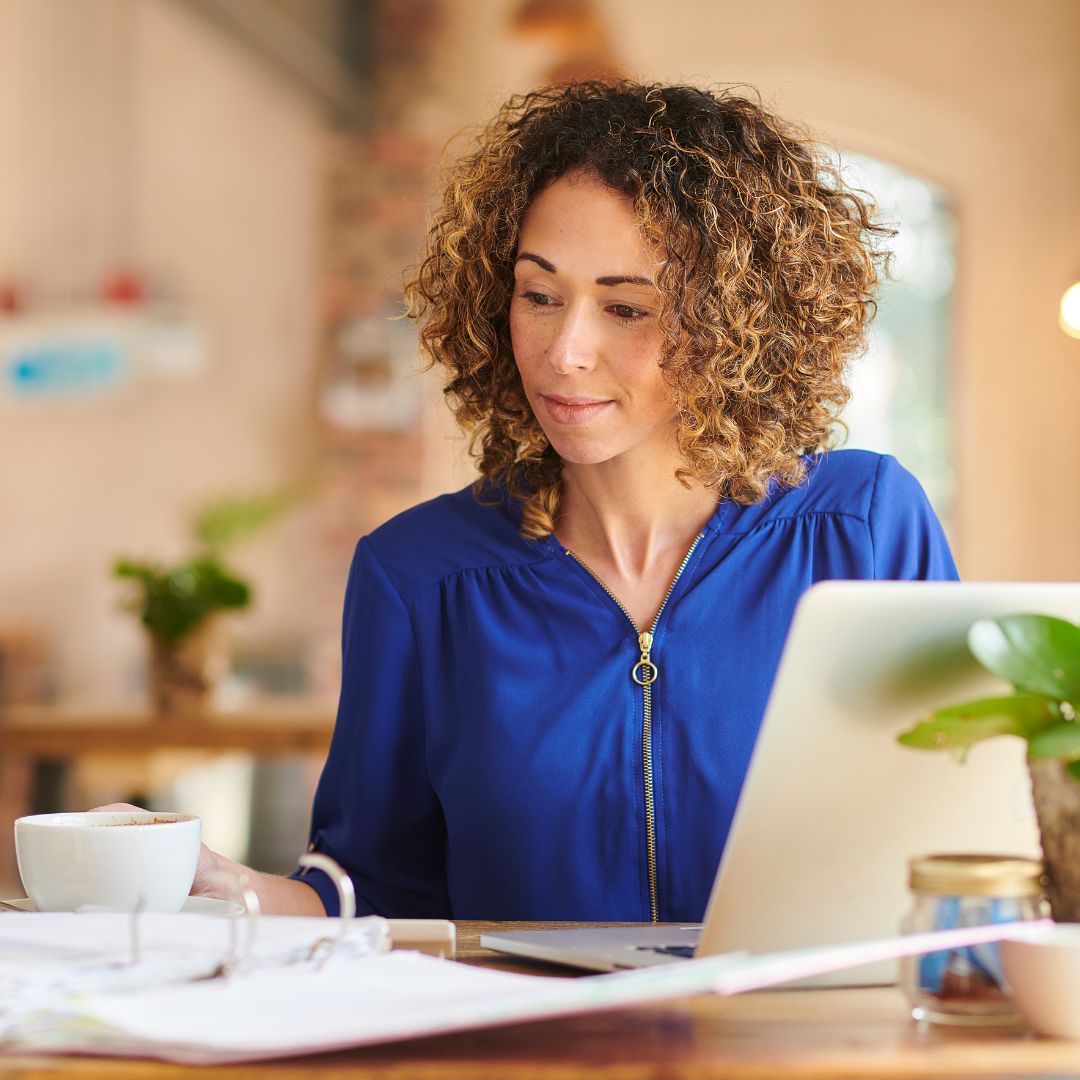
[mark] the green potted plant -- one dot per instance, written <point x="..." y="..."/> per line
<point x="179" y="604"/>
<point x="1040" y="656"/>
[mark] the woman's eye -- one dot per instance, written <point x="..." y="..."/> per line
<point x="626" y="312"/>
<point x="538" y="299"/>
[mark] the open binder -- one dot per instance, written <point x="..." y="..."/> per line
<point x="199" y="989"/>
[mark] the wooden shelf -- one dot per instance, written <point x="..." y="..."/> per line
<point x="271" y="727"/>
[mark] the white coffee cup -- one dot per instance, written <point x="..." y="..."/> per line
<point x="108" y="859"/>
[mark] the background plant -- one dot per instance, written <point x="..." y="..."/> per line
<point x="174" y="601"/>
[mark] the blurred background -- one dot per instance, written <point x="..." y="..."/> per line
<point x="206" y="207"/>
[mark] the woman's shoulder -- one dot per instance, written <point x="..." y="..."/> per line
<point x="853" y="481"/>
<point x="447" y="535"/>
<point x="838" y="483"/>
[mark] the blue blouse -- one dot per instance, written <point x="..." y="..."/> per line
<point x="492" y="757"/>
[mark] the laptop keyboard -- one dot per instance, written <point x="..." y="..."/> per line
<point x="684" y="951"/>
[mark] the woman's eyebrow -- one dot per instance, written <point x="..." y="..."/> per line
<point x="625" y="279"/>
<point x="610" y="279"/>
<point x="538" y="259"/>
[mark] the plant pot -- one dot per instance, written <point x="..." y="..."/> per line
<point x="183" y="675"/>
<point x="1057" y="807"/>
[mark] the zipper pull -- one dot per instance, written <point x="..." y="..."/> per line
<point x="645" y="671"/>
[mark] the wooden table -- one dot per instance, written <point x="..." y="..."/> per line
<point x="818" y="1034"/>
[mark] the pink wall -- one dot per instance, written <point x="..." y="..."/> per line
<point x="136" y="130"/>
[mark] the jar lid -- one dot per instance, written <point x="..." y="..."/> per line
<point x="976" y="875"/>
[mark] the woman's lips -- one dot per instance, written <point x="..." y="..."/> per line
<point x="568" y="410"/>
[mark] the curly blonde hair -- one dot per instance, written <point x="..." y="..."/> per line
<point x="768" y="265"/>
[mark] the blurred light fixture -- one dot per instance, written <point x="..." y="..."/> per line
<point x="573" y="28"/>
<point x="544" y="18"/>
<point x="1069" y="312"/>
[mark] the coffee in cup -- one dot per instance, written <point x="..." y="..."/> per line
<point x="112" y="859"/>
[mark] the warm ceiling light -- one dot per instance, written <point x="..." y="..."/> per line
<point x="545" y="18"/>
<point x="1069" y="317"/>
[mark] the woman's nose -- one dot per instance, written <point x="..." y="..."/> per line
<point x="575" y="345"/>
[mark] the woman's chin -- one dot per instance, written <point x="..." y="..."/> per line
<point x="582" y="452"/>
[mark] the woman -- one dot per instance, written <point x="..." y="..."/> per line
<point x="645" y="298"/>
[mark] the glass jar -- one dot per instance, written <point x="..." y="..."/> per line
<point x="967" y="985"/>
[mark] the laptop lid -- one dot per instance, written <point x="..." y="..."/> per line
<point x="833" y="807"/>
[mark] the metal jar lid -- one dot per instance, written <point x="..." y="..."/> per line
<point x="976" y="875"/>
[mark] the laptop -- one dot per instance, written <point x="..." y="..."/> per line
<point x="833" y="807"/>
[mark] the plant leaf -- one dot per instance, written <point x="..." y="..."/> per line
<point x="959" y="727"/>
<point x="176" y="603"/>
<point x="1073" y="769"/>
<point x="1036" y="653"/>
<point x="1058" y="741"/>
<point x="227" y="520"/>
<point x="147" y="573"/>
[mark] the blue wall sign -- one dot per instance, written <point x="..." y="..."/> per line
<point x="64" y="367"/>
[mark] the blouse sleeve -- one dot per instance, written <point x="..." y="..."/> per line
<point x="375" y="812"/>
<point x="908" y="541"/>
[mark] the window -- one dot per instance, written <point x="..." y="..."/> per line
<point x="900" y="387"/>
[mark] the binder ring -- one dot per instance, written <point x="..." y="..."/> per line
<point x="247" y="900"/>
<point x="346" y="900"/>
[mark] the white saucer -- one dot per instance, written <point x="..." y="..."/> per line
<point x="193" y="905"/>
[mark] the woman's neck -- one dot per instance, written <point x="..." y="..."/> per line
<point x="631" y="519"/>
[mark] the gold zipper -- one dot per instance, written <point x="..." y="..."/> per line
<point x="645" y="673"/>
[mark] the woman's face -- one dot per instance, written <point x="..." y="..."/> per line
<point x="583" y="322"/>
